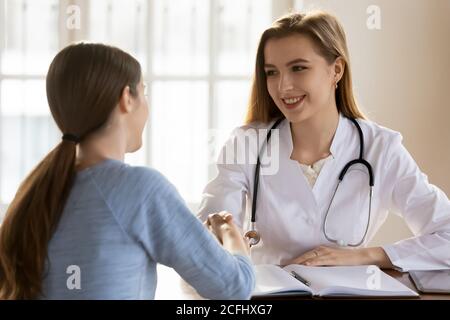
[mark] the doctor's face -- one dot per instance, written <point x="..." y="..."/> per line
<point x="299" y="80"/>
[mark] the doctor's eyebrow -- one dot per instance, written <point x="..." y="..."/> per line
<point x="267" y="65"/>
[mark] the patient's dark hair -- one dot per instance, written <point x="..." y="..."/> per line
<point x="84" y="84"/>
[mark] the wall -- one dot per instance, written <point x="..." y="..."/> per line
<point x="401" y="74"/>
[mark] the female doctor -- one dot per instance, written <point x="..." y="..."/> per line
<point x="338" y="175"/>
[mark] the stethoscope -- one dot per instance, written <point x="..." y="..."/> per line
<point x="253" y="235"/>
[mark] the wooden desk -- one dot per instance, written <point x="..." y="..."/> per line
<point x="172" y="287"/>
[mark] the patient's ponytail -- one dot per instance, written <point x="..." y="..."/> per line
<point x="84" y="85"/>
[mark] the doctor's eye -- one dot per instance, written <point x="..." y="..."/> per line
<point x="298" y="68"/>
<point x="270" y="73"/>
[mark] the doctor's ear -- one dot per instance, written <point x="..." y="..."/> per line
<point x="126" y="102"/>
<point x="339" y="67"/>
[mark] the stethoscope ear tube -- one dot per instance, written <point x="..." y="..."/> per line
<point x="356" y="161"/>
<point x="254" y="237"/>
<point x="362" y="161"/>
<point x="258" y="166"/>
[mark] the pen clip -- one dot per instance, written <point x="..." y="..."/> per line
<point x="300" y="278"/>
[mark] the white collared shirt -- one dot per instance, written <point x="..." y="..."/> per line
<point x="290" y="213"/>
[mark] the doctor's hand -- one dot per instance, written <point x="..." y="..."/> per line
<point x="331" y="256"/>
<point x="222" y="226"/>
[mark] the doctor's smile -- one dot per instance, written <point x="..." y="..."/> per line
<point x="293" y="102"/>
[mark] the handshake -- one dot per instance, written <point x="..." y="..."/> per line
<point x="221" y="225"/>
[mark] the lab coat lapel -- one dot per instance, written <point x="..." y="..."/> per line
<point x="293" y="172"/>
<point x="328" y="176"/>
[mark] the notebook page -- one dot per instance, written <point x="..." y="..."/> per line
<point x="351" y="280"/>
<point x="272" y="279"/>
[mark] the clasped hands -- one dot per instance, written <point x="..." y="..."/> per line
<point x="220" y="223"/>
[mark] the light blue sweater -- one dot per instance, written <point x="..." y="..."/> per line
<point x="118" y="222"/>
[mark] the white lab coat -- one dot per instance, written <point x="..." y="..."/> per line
<point x="290" y="214"/>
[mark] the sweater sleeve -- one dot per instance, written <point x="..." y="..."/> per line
<point x="170" y="233"/>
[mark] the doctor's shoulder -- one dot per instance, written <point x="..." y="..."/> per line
<point x="380" y="137"/>
<point x="255" y="126"/>
<point x="243" y="144"/>
<point x="250" y="131"/>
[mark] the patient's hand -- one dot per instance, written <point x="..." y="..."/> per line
<point x="227" y="233"/>
<point x="219" y="222"/>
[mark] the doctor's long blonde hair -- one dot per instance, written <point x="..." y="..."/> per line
<point x="328" y="36"/>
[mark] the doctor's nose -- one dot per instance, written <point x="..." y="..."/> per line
<point x="285" y="83"/>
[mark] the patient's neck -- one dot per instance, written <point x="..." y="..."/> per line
<point x="99" y="148"/>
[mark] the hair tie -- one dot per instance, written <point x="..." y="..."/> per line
<point x="71" y="137"/>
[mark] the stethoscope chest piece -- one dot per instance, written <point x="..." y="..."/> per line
<point x="252" y="236"/>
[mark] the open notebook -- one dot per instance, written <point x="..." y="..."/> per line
<point x="367" y="281"/>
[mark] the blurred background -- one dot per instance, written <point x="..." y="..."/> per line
<point x="198" y="56"/>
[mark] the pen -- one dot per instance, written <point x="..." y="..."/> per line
<point x="300" y="278"/>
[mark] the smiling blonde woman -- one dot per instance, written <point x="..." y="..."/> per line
<point x="339" y="173"/>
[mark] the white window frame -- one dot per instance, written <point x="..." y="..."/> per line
<point x="66" y="36"/>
